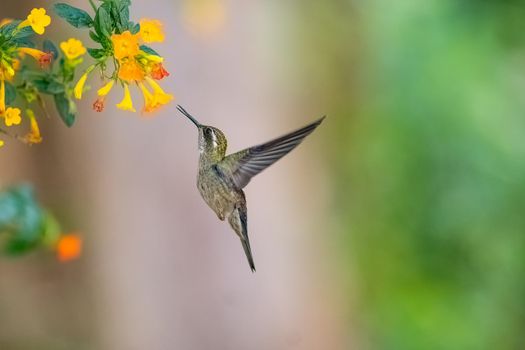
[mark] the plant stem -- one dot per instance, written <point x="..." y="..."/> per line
<point x="93" y="5"/>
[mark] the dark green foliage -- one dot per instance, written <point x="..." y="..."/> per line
<point x="103" y="23"/>
<point x="23" y="223"/>
<point x="148" y="50"/>
<point x="427" y="149"/>
<point x="10" y="93"/>
<point x="97" y="53"/>
<point x="94" y="37"/>
<point x="66" y="108"/>
<point x="49" y="86"/>
<point x="76" y="17"/>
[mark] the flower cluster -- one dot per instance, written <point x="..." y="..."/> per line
<point x="123" y="59"/>
<point x="31" y="70"/>
<point x="14" y="47"/>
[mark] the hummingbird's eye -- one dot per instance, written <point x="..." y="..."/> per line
<point x="207" y="132"/>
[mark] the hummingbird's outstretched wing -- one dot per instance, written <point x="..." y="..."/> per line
<point x="251" y="161"/>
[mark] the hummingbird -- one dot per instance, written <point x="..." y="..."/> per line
<point x="222" y="177"/>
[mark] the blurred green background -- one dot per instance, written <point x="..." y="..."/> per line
<point x="427" y="155"/>
<point x="398" y="225"/>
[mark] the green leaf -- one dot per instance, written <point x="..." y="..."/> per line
<point x="76" y="17"/>
<point x="149" y="50"/>
<point x="10" y="202"/>
<point x="49" y="86"/>
<point x="23" y="33"/>
<point x="28" y="74"/>
<point x="134" y="28"/>
<point x="7" y="30"/>
<point x="25" y="42"/>
<point x="51" y="48"/>
<point x="103" y="24"/>
<point x="66" y="108"/>
<point x="97" y="53"/>
<point x="10" y="93"/>
<point x="17" y="247"/>
<point x="94" y="36"/>
<point x="22" y="217"/>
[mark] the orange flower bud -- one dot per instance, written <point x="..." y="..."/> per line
<point x="69" y="248"/>
<point x="98" y="106"/>
<point x="158" y="72"/>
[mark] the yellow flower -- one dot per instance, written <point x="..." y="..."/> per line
<point x="43" y="58"/>
<point x="151" y="31"/>
<point x="73" y="48"/>
<point x="38" y="20"/>
<point x="16" y="64"/>
<point x="2" y="96"/>
<point x="79" y="88"/>
<point x="154" y="101"/>
<point x="125" y="45"/>
<point x="1" y="143"/>
<point x="127" y="103"/>
<point x="33" y="136"/>
<point x="12" y="116"/>
<point x="103" y="91"/>
<point x="159" y="95"/>
<point x="149" y="102"/>
<point x="7" y="69"/>
<point x="131" y="70"/>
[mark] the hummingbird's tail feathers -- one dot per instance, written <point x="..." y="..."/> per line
<point x="250" y="162"/>
<point x="248" y="252"/>
<point x="238" y="220"/>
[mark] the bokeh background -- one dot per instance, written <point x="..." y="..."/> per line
<point x="399" y="224"/>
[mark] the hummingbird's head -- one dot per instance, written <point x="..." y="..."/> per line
<point x="211" y="140"/>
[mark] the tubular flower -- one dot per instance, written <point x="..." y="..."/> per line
<point x="131" y="70"/>
<point x="127" y="103"/>
<point x="103" y="91"/>
<point x="43" y="58"/>
<point x="161" y="97"/>
<point x="148" y="59"/>
<point x="73" y="48"/>
<point x="69" y="247"/>
<point x="34" y="135"/>
<point x="16" y="64"/>
<point x="155" y="100"/>
<point x="38" y="20"/>
<point x="149" y="102"/>
<point x="2" y="96"/>
<point x="98" y="106"/>
<point x="79" y="87"/>
<point x="158" y="72"/>
<point x="12" y="116"/>
<point x="8" y="69"/>
<point x="125" y="45"/>
<point x="151" y="31"/>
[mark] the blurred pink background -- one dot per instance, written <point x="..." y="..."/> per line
<point x="160" y="271"/>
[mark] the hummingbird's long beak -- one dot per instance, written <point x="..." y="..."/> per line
<point x="189" y="116"/>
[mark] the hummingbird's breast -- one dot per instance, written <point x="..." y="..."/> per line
<point x="217" y="190"/>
